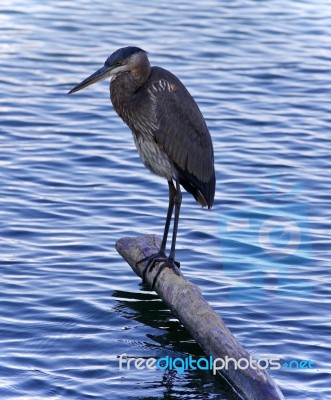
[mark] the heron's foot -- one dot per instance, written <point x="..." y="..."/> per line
<point x="151" y="261"/>
<point x="168" y="263"/>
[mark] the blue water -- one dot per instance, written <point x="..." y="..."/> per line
<point x="71" y="184"/>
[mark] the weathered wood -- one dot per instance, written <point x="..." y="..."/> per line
<point x="207" y="328"/>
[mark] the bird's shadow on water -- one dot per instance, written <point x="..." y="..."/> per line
<point x="170" y="338"/>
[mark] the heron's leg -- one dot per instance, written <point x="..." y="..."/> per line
<point x="178" y="202"/>
<point x="172" y="196"/>
<point x="170" y="262"/>
<point x="161" y="256"/>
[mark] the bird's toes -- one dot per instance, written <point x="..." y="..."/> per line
<point x="169" y="263"/>
<point x="151" y="258"/>
<point x="143" y="260"/>
<point x="151" y="261"/>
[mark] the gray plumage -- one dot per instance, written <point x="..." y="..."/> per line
<point x="162" y="114"/>
<point x="169" y="130"/>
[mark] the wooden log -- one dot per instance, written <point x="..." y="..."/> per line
<point x="187" y="303"/>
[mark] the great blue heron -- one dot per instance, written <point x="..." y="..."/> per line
<point x="169" y="131"/>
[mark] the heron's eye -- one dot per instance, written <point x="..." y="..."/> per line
<point x="119" y="63"/>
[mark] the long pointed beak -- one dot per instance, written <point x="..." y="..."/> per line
<point x="99" y="75"/>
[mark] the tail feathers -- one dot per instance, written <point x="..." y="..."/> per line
<point x="203" y="192"/>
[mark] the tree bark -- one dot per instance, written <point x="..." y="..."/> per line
<point x="187" y="303"/>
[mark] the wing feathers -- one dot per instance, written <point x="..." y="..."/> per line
<point x="182" y="132"/>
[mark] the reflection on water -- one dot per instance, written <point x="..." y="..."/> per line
<point x="72" y="184"/>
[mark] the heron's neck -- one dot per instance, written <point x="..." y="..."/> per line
<point x="124" y="87"/>
<point x="130" y="82"/>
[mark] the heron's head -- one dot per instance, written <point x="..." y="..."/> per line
<point x="126" y="59"/>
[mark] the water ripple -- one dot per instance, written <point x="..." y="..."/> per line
<point x="72" y="184"/>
